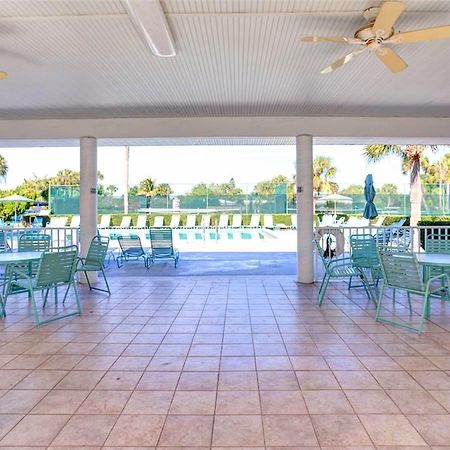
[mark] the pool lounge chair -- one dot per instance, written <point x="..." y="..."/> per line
<point x="105" y="221"/>
<point x="205" y="221"/>
<point x="254" y="221"/>
<point x="162" y="245"/>
<point x="175" y="221"/>
<point x="158" y="222"/>
<point x="268" y="221"/>
<point x="131" y="249"/>
<point x="294" y="221"/>
<point x="223" y="221"/>
<point x="125" y="222"/>
<point x="190" y="220"/>
<point x="236" y="221"/>
<point x="57" y="222"/>
<point x="141" y="221"/>
<point x="75" y="221"/>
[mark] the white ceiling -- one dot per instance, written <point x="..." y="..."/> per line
<point x="83" y="59"/>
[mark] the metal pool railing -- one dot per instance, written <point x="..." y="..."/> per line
<point x="60" y="237"/>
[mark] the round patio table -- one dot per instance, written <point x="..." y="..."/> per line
<point x="16" y="258"/>
<point x="435" y="260"/>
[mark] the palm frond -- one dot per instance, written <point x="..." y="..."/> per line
<point x="376" y="152"/>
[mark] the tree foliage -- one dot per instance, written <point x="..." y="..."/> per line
<point x="215" y="190"/>
<point x="323" y="175"/>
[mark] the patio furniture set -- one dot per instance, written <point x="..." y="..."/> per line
<point x="380" y="266"/>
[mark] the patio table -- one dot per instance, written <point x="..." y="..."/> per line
<point x="435" y="260"/>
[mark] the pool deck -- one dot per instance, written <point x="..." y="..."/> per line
<point x="213" y="264"/>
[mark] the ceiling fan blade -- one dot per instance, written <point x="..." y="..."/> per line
<point x="340" y="62"/>
<point x="391" y="60"/>
<point x="427" y="34"/>
<point x="332" y="39"/>
<point x="3" y="75"/>
<point x="388" y="15"/>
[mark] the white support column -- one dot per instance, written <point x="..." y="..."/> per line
<point x="88" y="195"/>
<point x="305" y="213"/>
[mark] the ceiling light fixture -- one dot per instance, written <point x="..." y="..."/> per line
<point x="150" y="21"/>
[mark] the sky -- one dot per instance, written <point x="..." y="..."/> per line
<point x="183" y="167"/>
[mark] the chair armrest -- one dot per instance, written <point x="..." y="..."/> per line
<point x="20" y="273"/>
<point x="347" y="261"/>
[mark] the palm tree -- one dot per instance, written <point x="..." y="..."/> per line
<point x="3" y="167"/>
<point x="323" y="174"/>
<point x="412" y="157"/>
<point x="147" y="187"/>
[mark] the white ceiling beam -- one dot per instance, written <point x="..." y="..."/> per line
<point x="351" y="130"/>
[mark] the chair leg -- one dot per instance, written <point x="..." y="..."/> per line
<point x="33" y="304"/>
<point x="350" y="283"/>
<point x="77" y="299"/>
<point x="106" y="281"/>
<point x="324" y="289"/>
<point x="409" y="302"/>
<point x="425" y="313"/>
<point x="380" y="299"/>
<point x="2" y="306"/>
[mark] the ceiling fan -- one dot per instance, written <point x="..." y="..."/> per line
<point x="378" y="31"/>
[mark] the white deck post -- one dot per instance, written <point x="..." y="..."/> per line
<point x="305" y="216"/>
<point x="88" y="196"/>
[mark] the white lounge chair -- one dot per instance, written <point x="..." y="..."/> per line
<point x="175" y="221"/>
<point x="236" y="221"/>
<point x="379" y="221"/>
<point x="223" y="221"/>
<point x="254" y="221"/>
<point x="190" y="220"/>
<point x="206" y="221"/>
<point x="125" y="222"/>
<point x="159" y="221"/>
<point x="57" y="222"/>
<point x="327" y="220"/>
<point x="141" y="221"/>
<point x="294" y="221"/>
<point x="75" y="221"/>
<point x="268" y="221"/>
<point x="105" y="221"/>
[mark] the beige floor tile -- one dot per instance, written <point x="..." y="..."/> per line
<point x="80" y="379"/>
<point x="187" y="431"/>
<point x="340" y="431"/>
<point x="372" y="402"/>
<point x="136" y="430"/>
<point x="193" y="403"/>
<point x="282" y="402"/>
<point x="86" y="430"/>
<point x="198" y="381"/>
<point x="91" y="362"/>
<point x="429" y="379"/>
<point x="104" y="402"/>
<point x="9" y="378"/>
<point x="20" y="401"/>
<point x="239" y="431"/>
<point x="202" y="363"/>
<point x="344" y="363"/>
<point x="149" y="402"/>
<point x="60" y="402"/>
<point x="291" y="430"/>
<point x="435" y="429"/>
<point x="238" y="402"/>
<point x="42" y="379"/>
<point x="61" y="362"/>
<point x="8" y="421"/>
<point x="237" y="363"/>
<point x="443" y="397"/>
<point x="327" y="402"/>
<point x="136" y="363"/>
<point x="317" y="379"/>
<point x="273" y="363"/>
<point x="26" y="362"/>
<point x="119" y="381"/>
<point x="277" y="380"/>
<point x="158" y="381"/>
<point x="416" y="402"/>
<point x="390" y="429"/>
<point x="35" y="430"/>
<point x="309" y="363"/>
<point x="238" y="381"/>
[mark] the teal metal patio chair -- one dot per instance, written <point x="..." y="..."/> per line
<point x="365" y="257"/>
<point x="401" y="271"/>
<point x="131" y="249"/>
<point x="439" y="243"/>
<point x="338" y="268"/>
<point x="56" y="269"/>
<point x="162" y="245"/>
<point x="95" y="261"/>
<point x="34" y="243"/>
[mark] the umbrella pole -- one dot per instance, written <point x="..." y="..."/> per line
<point x="15" y="212"/>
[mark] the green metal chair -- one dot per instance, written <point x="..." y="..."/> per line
<point x="34" y="243"/>
<point x="56" y="269"/>
<point x="131" y="249"/>
<point x="162" y="245"/>
<point x="402" y="271"/>
<point x="338" y="268"/>
<point x="365" y="257"/>
<point x="95" y="261"/>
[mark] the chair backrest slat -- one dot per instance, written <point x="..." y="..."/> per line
<point x="57" y="267"/>
<point x="437" y="244"/>
<point x="159" y="221"/>
<point x="401" y="270"/>
<point x="364" y="250"/>
<point x="190" y="220"/>
<point x="131" y="246"/>
<point x="34" y="243"/>
<point x="125" y="222"/>
<point x="97" y="251"/>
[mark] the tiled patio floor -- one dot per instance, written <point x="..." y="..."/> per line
<point x="222" y="362"/>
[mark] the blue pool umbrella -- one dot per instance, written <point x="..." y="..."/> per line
<point x="370" y="211"/>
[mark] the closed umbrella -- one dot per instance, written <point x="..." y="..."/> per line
<point x="16" y="198"/>
<point x="370" y="211"/>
